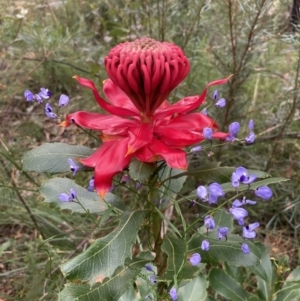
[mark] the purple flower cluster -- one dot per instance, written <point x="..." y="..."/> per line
<point x="234" y="129"/>
<point x="220" y="103"/>
<point x="46" y="94"/>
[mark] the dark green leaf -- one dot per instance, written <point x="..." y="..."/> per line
<point x="111" y="289"/>
<point x="107" y="253"/>
<point x="53" y="157"/>
<point x="226" y="286"/>
<point x="140" y="171"/>
<point x="195" y="290"/>
<point x="175" y="248"/>
<point x="90" y="201"/>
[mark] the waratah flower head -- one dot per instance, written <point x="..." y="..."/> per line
<point x="147" y="71"/>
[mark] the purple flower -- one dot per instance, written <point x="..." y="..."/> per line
<point x="44" y="93"/>
<point x="251" y="125"/>
<point x="64" y="197"/>
<point x="204" y="112"/>
<point x="215" y="191"/>
<point x="38" y="98"/>
<point x="264" y="192"/>
<point x="74" y="168"/>
<point x="238" y="214"/>
<point x="207" y="133"/>
<point x="234" y="128"/>
<point x="195" y="259"/>
<point x="29" y="95"/>
<point x="63" y="100"/>
<point x="202" y="193"/>
<point x="192" y="203"/>
<point x="235" y="181"/>
<point x="250" y="138"/>
<point x="221" y="103"/>
<point x="91" y="186"/>
<point x="248" y="231"/>
<point x="196" y="149"/>
<point x="149" y="268"/>
<point x="173" y="293"/>
<point x="209" y="222"/>
<point x="138" y="185"/>
<point x="205" y="245"/>
<point x="215" y="95"/>
<point x="238" y="203"/>
<point x="243" y="176"/>
<point x="125" y="179"/>
<point x="153" y="279"/>
<point x="222" y="232"/>
<point x="245" y="248"/>
<point x="49" y="111"/>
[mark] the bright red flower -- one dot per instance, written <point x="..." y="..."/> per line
<point x="140" y="122"/>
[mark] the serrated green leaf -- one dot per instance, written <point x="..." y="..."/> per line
<point x="175" y="248"/>
<point x="91" y="201"/>
<point x="107" y="253"/>
<point x="53" y="157"/>
<point x="111" y="289"/>
<point x="195" y="290"/>
<point x="226" y="286"/>
<point x="140" y="171"/>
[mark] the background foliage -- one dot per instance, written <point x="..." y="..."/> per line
<point x="44" y="43"/>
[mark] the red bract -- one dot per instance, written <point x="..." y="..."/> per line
<point x="139" y="122"/>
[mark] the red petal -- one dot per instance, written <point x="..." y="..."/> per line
<point x="102" y="103"/>
<point x="99" y="122"/>
<point x="108" y="160"/>
<point x="117" y="96"/>
<point x="175" y="158"/>
<point x="188" y="104"/>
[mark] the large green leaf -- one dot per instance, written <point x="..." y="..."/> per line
<point x="226" y="286"/>
<point x="290" y="292"/>
<point x="195" y="290"/>
<point x="175" y="248"/>
<point x="107" y="253"/>
<point x="140" y="171"/>
<point x="53" y="157"/>
<point x="87" y="201"/>
<point x="111" y="289"/>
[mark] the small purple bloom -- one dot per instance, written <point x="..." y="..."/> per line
<point x="202" y="193"/>
<point x="149" y="268"/>
<point x="74" y="168"/>
<point x="196" y="149"/>
<point x="245" y="248"/>
<point x="64" y="197"/>
<point x="153" y="279"/>
<point x="125" y="179"/>
<point x="207" y="133"/>
<point x="192" y="203"/>
<point x="38" y="98"/>
<point x="238" y="203"/>
<point x="209" y="222"/>
<point x="138" y="185"/>
<point x="195" y="259"/>
<point x="250" y="202"/>
<point x="205" y="245"/>
<point x="264" y="192"/>
<point x="204" y="112"/>
<point x="215" y="95"/>
<point x="63" y="100"/>
<point x="173" y="293"/>
<point x="250" y="138"/>
<point x="44" y="93"/>
<point x="248" y="231"/>
<point x="221" y="103"/>
<point x="29" y="95"/>
<point x="251" y="125"/>
<point x="72" y="195"/>
<point x="234" y="128"/>
<point x="238" y="214"/>
<point x="49" y="111"/>
<point x="215" y="191"/>
<point x="235" y="180"/>
<point x="243" y="176"/>
<point x="91" y="186"/>
<point x="222" y="232"/>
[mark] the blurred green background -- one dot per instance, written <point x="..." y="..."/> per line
<point x="45" y="43"/>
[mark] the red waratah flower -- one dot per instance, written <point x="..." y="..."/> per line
<point x="140" y="122"/>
